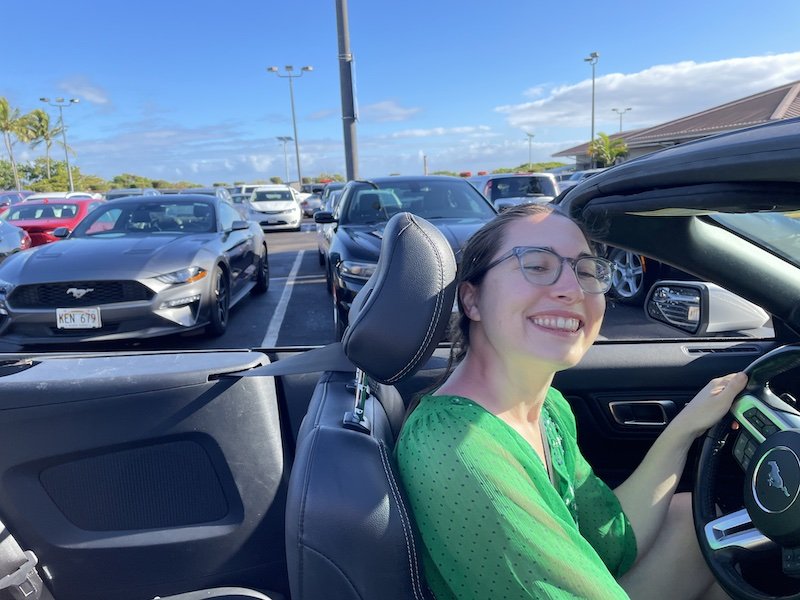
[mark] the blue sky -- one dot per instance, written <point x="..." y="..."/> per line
<point x="179" y="90"/>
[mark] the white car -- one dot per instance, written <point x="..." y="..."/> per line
<point x="62" y="195"/>
<point x="275" y="207"/>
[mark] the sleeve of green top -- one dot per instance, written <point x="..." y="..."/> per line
<point x="489" y="527"/>
<point x="602" y="521"/>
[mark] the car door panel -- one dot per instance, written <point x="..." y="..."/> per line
<point x="160" y="471"/>
<point x="623" y="395"/>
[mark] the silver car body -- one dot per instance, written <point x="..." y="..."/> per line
<point x="133" y="268"/>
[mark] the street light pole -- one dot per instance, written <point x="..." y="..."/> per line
<point x="290" y="75"/>
<point x="621" y="112"/>
<point x="592" y="60"/>
<point x="284" y="139"/>
<point x="61" y="103"/>
<point x="530" y="140"/>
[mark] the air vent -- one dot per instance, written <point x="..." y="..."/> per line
<point x="730" y="350"/>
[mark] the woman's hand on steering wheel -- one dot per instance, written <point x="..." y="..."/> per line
<point x="711" y="403"/>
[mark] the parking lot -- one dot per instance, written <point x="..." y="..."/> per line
<point x="297" y="309"/>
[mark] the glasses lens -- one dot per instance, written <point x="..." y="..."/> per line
<point x="540" y="266"/>
<point x="594" y="274"/>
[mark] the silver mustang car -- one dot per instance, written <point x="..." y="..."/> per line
<point x="133" y="268"/>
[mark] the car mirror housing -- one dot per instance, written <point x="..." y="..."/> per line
<point x="61" y="232"/>
<point x="700" y="308"/>
<point x="324" y="216"/>
<point x="240" y="225"/>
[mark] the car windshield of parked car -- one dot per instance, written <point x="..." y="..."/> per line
<point x="271" y="196"/>
<point x="522" y="187"/>
<point x="366" y="205"/>
<point x="36" y="212"/>
<point x="130" y="218"/>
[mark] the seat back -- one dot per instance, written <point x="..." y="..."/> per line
<point x="349" y="533"/>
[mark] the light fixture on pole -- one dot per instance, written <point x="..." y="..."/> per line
<point x="291" y="75"/>
<point x="530" y="141"/>
<point x="284" y="139"/>
<point x="592" y="60"/>
<point x="61" y="103"/>
<point x="620" y="112"/>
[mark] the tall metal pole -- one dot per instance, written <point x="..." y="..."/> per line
<point x="284" y="139"/>
<point x="61" y="103"/>
<point x="621" y="112"/>
<point x="290" y="76"/>
<point x="530" y="140"/>
<point x="349" y="116"/>
<point x="592" y="60"/>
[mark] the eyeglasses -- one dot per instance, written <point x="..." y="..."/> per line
<point x="541" y="266"/>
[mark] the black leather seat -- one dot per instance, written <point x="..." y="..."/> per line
<point x="349" y="535"/>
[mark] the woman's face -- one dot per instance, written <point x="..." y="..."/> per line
<point x="555" y="324"/>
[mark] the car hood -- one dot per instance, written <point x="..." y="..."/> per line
<point x="365" y="241"/>
<point x="131" y="257"/>
<point x="272" y="205"/>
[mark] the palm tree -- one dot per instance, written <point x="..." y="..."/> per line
<point x="605" y="151"/>
<point x="11" y="124"/>
<point x="38" y="131"/>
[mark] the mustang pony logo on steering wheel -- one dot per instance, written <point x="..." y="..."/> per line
<point x="774" y="478"/>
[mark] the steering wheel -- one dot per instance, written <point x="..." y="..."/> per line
<point x="760" y="438"/>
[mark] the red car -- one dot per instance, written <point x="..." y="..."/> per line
<point x="40" y="217"/>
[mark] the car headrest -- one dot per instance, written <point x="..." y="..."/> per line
<point x="402" y="312"/>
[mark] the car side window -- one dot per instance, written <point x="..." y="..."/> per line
<point x="228" y="215"/>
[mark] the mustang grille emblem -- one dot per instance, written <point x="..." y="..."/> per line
<point x="79" y="293"/>
<point x="774" y="478"/>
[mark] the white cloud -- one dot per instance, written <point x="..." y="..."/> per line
<point x="80" y="87"/>
<point x="439" y="131"/>
<point x="388" y="110"/>
<point x="657" y="94"/>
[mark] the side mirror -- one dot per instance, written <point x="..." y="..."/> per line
<point x="700" y="308"/>
<point x="240" y="225"/>
<point x="324" y="216"/>
<point x="61" y="232"/>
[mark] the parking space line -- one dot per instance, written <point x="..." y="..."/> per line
<point x="271" y="337"/>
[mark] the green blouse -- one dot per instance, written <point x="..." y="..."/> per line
<point x="493" y="524"/>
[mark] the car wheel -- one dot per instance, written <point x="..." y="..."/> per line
<point x="321" y="258"/>
<point x="328" y="278"/>
<point x="632" y="278"/>
<point x="221" y="304"/>
<point x="262" y="279"/>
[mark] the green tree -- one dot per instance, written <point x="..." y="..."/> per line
<point x="605" y="151"/>
<point x="451" y="173"/>
<point x="37" y="123"/>
<point x="6" y="175"/>
<point x="13" y="125"/>
<point x="275" y="179"/>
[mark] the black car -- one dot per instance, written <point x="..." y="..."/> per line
<point x="453" y="205"/>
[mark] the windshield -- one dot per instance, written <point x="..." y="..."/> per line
<point x="521" y="187"/>
<point x="35" y="212"/>
<point x="777" y="232"/>
<point x="271" y="196"/>
<point x="120" y="219"/>
<point x="429" y="199"/>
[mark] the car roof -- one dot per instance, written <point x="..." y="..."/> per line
<point x="166" y="199"/>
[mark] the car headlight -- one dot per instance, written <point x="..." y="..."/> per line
<point x="357" y="270"/>
<point x="189" y="275"/>
<point x="5" y="287"/>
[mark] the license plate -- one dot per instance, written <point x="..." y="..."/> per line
<point x="78" y="318"/>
